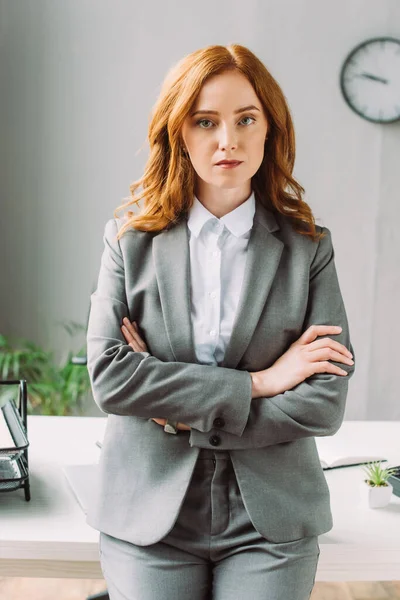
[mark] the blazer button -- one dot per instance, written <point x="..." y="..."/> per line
<point x="214" y="440"/>
<point x="219" y="422"/>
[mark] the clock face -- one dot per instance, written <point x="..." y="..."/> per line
<point x="370" y="80"/>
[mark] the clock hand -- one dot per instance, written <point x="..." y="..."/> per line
<point x="374" y="77"/>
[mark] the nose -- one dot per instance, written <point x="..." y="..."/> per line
<point x="227" y="139"/>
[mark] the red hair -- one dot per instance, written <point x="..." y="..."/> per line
<point x="168" y="180"/>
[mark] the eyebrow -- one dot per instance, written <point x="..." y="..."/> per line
<point x="215" y="112"/>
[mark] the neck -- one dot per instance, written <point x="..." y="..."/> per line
<point x="220" y="202"/>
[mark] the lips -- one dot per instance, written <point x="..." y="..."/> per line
<point x="229" y="162"/>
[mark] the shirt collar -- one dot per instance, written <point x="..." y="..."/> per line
<point x="239" y="221"/>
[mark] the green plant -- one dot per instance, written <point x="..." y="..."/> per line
<point x="52" y="389"/>
<point x="377" y="476"/>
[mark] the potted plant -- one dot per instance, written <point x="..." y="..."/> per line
<point x="53" y="389"/>
<point x="379" y="489"/>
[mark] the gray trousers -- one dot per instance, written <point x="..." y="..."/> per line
<point x="212" y="552"/>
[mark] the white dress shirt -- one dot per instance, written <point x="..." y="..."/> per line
<point x="218" y="249"/>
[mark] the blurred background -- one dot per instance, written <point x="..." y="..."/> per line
<point x="78" y="81"/>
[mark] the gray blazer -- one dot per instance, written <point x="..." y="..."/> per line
<point x="290" y="283"/>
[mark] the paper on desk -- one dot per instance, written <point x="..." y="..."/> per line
<point x="83" y="482"/>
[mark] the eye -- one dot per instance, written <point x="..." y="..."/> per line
<point x="203" y="121"/>
<point x="248" y="117"/>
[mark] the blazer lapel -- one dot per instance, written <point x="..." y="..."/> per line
<point x="171" y="254"/>
<point x="263" y="255"/>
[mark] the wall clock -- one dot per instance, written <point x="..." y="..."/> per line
<point x="370" y="80"/>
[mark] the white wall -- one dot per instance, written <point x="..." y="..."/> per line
<point x="78" y="81"/>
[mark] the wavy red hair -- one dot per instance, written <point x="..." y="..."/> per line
<point x="168" y="180"/>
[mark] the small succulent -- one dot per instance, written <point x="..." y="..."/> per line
<point x="377" y="476"/>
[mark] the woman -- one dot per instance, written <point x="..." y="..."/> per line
<point x="215" y="348"/>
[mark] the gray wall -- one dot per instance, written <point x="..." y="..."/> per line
<point x="79" y="79"/>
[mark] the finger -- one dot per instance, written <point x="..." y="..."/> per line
<point x="160" y="421"/>
<point x="183" y="427"/>
<point x="131" y="342"/>
<point x="129" y="338"/>
<point x="127" y="334"/>
<point x="327" y="367"/>
<point x="329" y="354"/>
<point x="314" y="331"/>
<point x="332" y="344"/>
<point x="133" y="336"/>
<point x="133" y="332"/>
<point x="138" y="336"/>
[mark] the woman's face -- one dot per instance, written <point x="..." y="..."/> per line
<point x="219" y="131"/>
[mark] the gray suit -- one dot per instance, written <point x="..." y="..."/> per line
<point x="290" y="282"/>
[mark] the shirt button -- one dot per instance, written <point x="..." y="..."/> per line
<point x="212" y="332"/>
<point x="215" y="253"/>
<point x="214" y="440"/>
<point x="219" y="422"/>
<point x="213" y="294"/>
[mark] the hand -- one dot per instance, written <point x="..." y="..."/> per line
<point x="180" y="426"/>
<point x="130" y="331"/>
<point x="303" y="358"/>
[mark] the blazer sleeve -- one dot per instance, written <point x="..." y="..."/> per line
<point x="125" y="382"/>
<point x="316" y="406"/>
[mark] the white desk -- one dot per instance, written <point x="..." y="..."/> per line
<point x="49" y="537"/>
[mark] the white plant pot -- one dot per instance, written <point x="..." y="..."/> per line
<point x="379" y="496"/>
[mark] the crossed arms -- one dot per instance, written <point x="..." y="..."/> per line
<point x="125" y="382"/>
